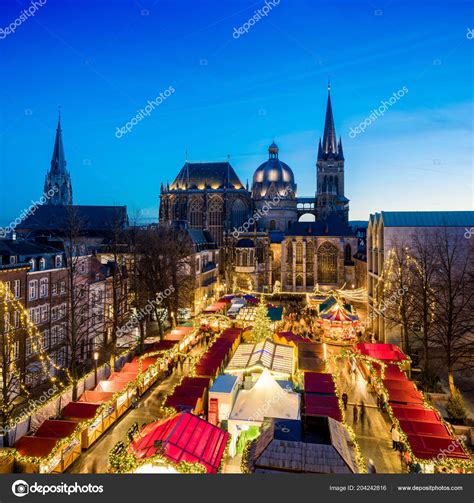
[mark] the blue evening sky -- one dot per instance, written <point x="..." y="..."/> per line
<point x="102" y="60"/>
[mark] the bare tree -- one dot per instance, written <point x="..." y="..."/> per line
<point x="425" y="264"/>
<point x="395" y="292"/>
<point x="78" y="313"/>
<point x="454" y="287"/>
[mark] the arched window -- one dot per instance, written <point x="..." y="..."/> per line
<point x="289" y="253"/>
<point x="327" y="263"/>
<point x="238" y="213"/>
<point x="32" y="263"/>
<point x="195" y="214"/>
<point x="299" y="281"/>
<point x="260" y="253"/>
<point x="309" y="263"/>
<point x="299" y="252"/>
<point x="215" y="219"/>
<point x="272" y="225"/>
<point x="348" y="253"/>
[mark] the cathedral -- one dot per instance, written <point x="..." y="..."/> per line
<point x="263" y="232"/>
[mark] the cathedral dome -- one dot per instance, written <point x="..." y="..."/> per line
<point x="273" y="176"/>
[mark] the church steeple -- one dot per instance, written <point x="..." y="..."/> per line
<point x="57" y="185"/>
<point x="329" y="138"/>
<point x="330" y="170"/>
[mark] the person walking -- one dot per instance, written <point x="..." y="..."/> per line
<point x="395" y="437"/>
<point x="355" y="414"/>
<point x="345" y="398"/>
<point x="362" y="412"/>
<point x="371" y="467"/>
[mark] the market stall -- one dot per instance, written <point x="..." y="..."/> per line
<point x="318" y="382"/>
<point x="279" y="359"/>
<point x="322" y="405"/>
<point x="183" y="437"/>
<point x="289" y="339"/>
<point x="43" y="445"/>
<point x="265" y="399"/>
<point x="86" y="412"/>
<point x="222" y="396"/>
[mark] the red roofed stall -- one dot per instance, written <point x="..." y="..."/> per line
<point x="82" y="411"/>
<point x="383" y="352"/>
<point x="321" y="383"/>
<point x="320" y="405"/>
<point x="42" y="443"/>
<point x="429" y="447"/>
<point x="183" y="437"/>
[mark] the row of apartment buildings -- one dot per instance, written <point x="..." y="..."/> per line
<point x="38" y="275"/>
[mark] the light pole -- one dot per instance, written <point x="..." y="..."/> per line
<point x="96" y="357"/>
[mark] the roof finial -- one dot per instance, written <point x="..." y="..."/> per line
<point x="329" y="84"/>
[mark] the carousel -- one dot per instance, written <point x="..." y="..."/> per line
<point x="339" y="326"/>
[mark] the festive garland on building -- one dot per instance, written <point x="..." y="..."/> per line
<point x="165" y="355"/>
<point x="361" y="463"/>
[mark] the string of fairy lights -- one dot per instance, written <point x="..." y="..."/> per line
<point x="11" y="305"/>
<point x="445" y="462"/>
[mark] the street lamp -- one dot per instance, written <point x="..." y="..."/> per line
<point x="96" y="358"/>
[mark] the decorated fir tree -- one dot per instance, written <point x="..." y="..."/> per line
<point x="261" y="327"/>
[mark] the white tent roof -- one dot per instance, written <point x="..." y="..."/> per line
<point x="265" y="399"/>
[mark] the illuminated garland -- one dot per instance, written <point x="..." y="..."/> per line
<point x="123" y="461"/>
<point x="165" y="355"/>
<point x="361" y="463"/>
<point x="445" y="461"/>
<point x="10" y="304"/>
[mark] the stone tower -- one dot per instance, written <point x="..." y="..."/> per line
<point x="58" y="179"/>
<point x="330" y="196"/>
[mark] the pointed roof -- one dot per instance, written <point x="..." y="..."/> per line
<point x="58" y="161"/>
<point x="329" y="137"/>
<point x="278" y="403"/>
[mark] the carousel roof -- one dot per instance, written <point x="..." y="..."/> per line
<point x="338" y="314"/>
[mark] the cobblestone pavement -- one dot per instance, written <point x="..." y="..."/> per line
<point x="373" y="432"/>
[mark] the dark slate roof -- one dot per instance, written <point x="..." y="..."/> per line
<point x="245" y="243"/>
<point x="217" y="175"/>
<point x="332" y="226"/>
<point x="359" y="224"/>
<point x="10" y="247"/>
<point x="201" y="239"/>
<point x="428" y="218"/>
<point x="276" y="236"/>
<point x="55" y="218"/>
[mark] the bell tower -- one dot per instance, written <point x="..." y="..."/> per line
<point x="330" y="196"/>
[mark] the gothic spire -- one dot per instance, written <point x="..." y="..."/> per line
<point x="340" y="154"/>
<point x="58" y="182"/>
<point x="329" y="137"/>
<point x="58" y="162"/>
